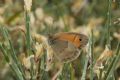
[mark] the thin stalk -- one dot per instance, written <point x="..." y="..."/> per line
<point x="12" y="66"/>
<point x="113" y="64"/>
<point x="100" y="75"/>
<point x="109" y="22"/>
<point x="39" y="70"/>
<point x="71" y="72"/>
<point x="5" y="54"/>
<point x="28" y="37"/>
<point x="92" y="56"/>
<point x="28" y="41"/>
<point x="17" y="71"/>
<point x="32" y="72"/>
<point x="13" y="54"/>
<point x="44" y="75"/>
<point x="85" y="69"/>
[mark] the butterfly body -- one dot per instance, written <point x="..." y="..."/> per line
<point x="66" y="45"/>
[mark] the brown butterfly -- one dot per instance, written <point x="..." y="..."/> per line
<point x="66" y="45"/>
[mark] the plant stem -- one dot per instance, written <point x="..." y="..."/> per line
<point x="109" y="23"/>
<point x="92" y="57"/>
<point x="113" y="63"/>
<point x="85" y="68"/>
<point x="28" y="37"/>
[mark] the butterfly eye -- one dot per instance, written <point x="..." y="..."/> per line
<point x="80" y="39"/>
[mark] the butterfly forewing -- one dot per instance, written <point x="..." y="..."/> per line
<point x="79" y="40"/>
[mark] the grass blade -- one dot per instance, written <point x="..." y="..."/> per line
<point x="113" y="64"/>
<point x="85" y="69"/>
<point x="28" y="37"/>
<point x="91" y="56"/>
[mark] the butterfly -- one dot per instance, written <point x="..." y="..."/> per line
<point x="66" y="45"/>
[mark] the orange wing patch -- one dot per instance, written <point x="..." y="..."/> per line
<point x="71" y="37"/>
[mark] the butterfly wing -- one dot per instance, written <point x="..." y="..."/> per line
<point x="59" y="45"/>
<point x="79" y="40"/>
<point x="65" y="51"/>
<point x="71" y="53"/>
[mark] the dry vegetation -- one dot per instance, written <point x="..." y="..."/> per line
<point x="25" y="24"/>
